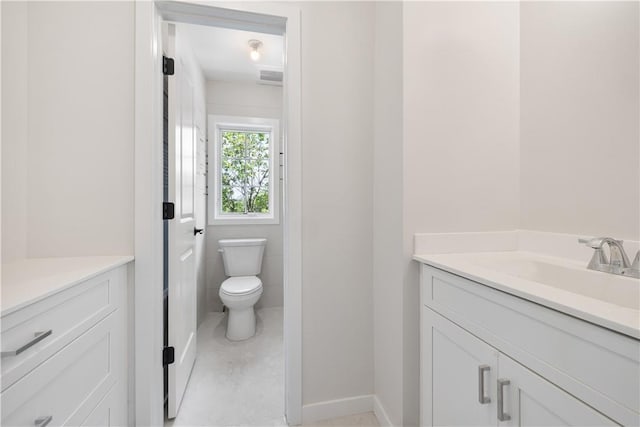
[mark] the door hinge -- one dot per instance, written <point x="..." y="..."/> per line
<point x="168" y="356"/>
<point x="167" y="66"/>
<point x="168" y="210"/>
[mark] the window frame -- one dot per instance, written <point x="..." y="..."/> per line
<point x="218" y="124"/>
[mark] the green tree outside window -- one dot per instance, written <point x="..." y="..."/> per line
<point x="245" y="171"/>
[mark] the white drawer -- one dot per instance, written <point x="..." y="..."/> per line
<point x="599" y="366"/>
<point x="69" y="385"/>
<point x="67" y="315"/>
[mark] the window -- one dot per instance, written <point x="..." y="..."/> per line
<point x="245" y="176"/>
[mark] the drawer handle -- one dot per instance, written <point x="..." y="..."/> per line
<point x="43" y="421"/>
<point x="481" y="397"/>
<point x="38" y="336"/>
<point x="502" y="416"/>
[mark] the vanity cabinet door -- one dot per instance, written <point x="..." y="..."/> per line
<point x="110" y="412"/>
<point x="459" y="374"/>
<point x="530" y="400"/>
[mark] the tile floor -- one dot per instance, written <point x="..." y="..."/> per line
<point x="236" y="383"/>
<point x="242" y="383"/>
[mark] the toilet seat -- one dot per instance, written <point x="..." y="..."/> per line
<point x="241" y="285"/>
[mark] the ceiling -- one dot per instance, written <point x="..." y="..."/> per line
<point x="223" y="54"/>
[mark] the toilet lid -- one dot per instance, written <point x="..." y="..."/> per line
<point x="241" y="285"/>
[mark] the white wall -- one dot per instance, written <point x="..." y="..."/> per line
<point x="337" y="113"/>
<point x="388" y="262"/>
<point x="14" y="130"/>
<point x="461" y="86"/>
<point x="249" y="100"/>
<point x="70" y="189"/>
<point x="580" y="141"/>
<point x="244" y="99"/>
<point x="80" y="197"/>
<point x="461" y="149"/>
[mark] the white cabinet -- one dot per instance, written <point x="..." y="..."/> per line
<point x="458" y="372"/>
<point x="62" y="316"/>
<point x="530" y="400"/>
<point x="76" y="375"/>
<point x="472" y="383"/>
<point x="489" y="359"/>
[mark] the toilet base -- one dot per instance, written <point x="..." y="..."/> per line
<point x="241" y="324"/>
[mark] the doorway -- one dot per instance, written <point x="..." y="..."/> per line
<point x="226" y="100"/>
<point x="267" y="18"/>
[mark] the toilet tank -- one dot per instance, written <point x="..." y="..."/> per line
<point x="242" y="257"/>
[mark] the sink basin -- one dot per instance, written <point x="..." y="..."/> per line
<point x="563" y="274"/>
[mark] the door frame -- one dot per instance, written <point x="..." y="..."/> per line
<point x="147" y="399"/>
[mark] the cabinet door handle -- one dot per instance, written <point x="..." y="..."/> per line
<point x="502" y="416"/>
<point x="481" y="397"/>
<point x="38" y="336"/>
<point x="43" y="421"/>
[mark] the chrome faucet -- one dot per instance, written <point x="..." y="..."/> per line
<point x="619" y="262"/>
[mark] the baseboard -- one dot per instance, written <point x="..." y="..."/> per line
<point x="337" y="408"/>
<point x="381" y="414"/>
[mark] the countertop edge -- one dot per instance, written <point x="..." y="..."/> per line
<point x="623" y="329"/>
<point x="117" y="261"/>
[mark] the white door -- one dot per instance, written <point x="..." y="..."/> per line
<point x="182" y="303"/>
<point x="530" y="400"/>
<point x="463" y="371"/>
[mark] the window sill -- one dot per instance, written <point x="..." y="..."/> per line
<point x="245" y="220"/>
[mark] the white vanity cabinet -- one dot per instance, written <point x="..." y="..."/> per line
<point x="469" y="379"/>
<point x="489" y="358"/>
<point x="64" y="358"/>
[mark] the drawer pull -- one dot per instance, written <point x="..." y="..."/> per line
<point x="481" y="397"/>
<point x="502" y="416"/>
<point x="43" y="421"/>
<point x="38" y="336"/>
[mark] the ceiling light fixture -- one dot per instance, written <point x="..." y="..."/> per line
<point x="255" y="45"/>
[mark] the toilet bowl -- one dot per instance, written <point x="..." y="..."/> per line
<point x="242" y="290"/>
<point x="239" y="295"/>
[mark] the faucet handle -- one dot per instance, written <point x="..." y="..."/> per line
<point x="593" y="242"/>
<point x="598" y="242"/>
<point x="635" y="265"/>
<point x="634" y="270"/>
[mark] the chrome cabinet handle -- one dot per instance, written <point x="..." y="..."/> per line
<point x="43" y="421"/>
<point x="481" y="397"/>
<point x="38" y="336"/>
<point x="502" y="416"/>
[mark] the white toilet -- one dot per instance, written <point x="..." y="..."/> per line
<point x="239" y="293"/>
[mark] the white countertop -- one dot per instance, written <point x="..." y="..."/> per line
<point x="27" y="281"/>
<point x="620" y="318"/>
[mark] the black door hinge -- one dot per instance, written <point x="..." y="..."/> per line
<point x="167" y="66"/>
<point x="168" y="356"/>
<point x="168" y="210"/>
